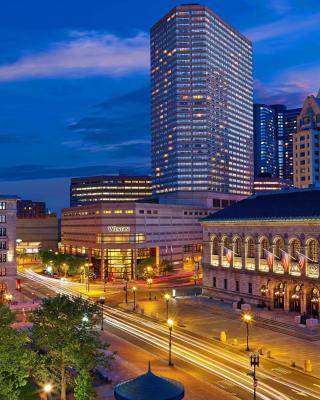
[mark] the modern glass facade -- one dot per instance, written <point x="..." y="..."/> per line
<point x="201" y="90"/>
<point x="265" y="141"/>
<point x="290" y="129"/>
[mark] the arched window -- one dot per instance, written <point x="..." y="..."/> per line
<point x="237" y="247"/>
<point x="313" y="250"/>
<point x="250" y="248"/>
<point x="278" y="245"/>
<point x="264" y="245"/>
<point x="294" y="248"/>
<point x="215" y="246"/>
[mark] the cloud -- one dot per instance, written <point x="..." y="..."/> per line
<point x="285" y="26"/>
<point x="279" y="7"/>
<point x="290" y="87"/>
<point x="38" y="172"/>
<point x="83" y="54"/>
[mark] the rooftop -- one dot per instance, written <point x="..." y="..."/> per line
<point x="287" y="204"/>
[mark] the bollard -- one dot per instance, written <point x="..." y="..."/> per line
<point x="223" y="337"/>
<point x="269" y="354"/>
<point x="235" y="342"/>
<point x="293" y="364"/>
<point x="262" y="351"/>
<point x="307" y="366"/>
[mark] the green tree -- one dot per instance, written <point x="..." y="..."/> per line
<point x="66" y="328"/>
<point x="83" y="387"/>
<point x="142" y="267"/>
<point x="16" y="359"/>
<point x="166" y="267"/>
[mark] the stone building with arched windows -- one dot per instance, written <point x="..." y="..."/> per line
<point x="265" y="249"/>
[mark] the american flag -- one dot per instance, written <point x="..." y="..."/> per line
<point x="301" y="260"/>
<point x="269" y="257"/>
<point x="285" y="259"/>
<point x="228" y="254"/>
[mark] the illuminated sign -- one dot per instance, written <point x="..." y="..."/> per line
<point x="118" y="229"/>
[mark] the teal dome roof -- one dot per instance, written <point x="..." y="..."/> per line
<point x="149" y="386"/>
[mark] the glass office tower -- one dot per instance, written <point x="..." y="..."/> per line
<point x="202" y="118"/>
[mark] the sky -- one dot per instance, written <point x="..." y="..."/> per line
<point x="74" y="82"/>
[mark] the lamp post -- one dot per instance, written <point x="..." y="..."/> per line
<point x="170" y="323"/>
<point x="247" y="319"/>
<point x="47" y="389"/>
<point x="149" y="282"/>
<point x="101" y="301"/>
<point x="9" y="297"/>
<point x="126" y="283"/>
<point x="167" y="298"/>
<point x="134" y="289"/>
<point x="254" y="362"/>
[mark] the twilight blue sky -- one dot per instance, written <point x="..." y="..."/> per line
<point x="74" y="81"/>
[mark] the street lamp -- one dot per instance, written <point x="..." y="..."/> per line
<point x="82" y="274"/>
<point x="126" y="283"/>
<point x="101" y="301"/>
<point x="247" y="319"/>
<point x="47" y="388"/>
<point x="134" y="289"/>
<point x="149" y="282"/>
<point x="254" y="362"/>
<point x="9" y="297"/>
<point x="170" y="323"/>
<point x="167" y="298"/>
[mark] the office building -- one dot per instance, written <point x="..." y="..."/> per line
<point x="290" y="128"/>
<point x="306" y="144"/>
<point x="268" y="183"/>
<point x="201" y="104"/>
<point x="30" y="209"/>
<point x="8" y="266"/>
<point x="96" y="189"/>
<point x="265" y="141"/>
<point x="265" y="250"/>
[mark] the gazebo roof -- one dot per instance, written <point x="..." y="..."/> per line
<point x="149" y="386"/>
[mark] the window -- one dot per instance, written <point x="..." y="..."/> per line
<point x="214" y="282"/>
<point x="216" y="203"/>
<point x="3" y="258"/>
<point x="225" y="284"/>
<point x="224" y="203"/>
<point x="237" y="286"/>
<point x="129" y="211"/>
<point x="3" y="205"/>
<point x="250" y="288"/>
<point x="141" y="211"/>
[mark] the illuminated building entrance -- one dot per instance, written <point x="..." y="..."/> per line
<point x="279" y="296"/>
<point x="295" y="299"/>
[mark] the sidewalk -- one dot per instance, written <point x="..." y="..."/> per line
<point x="207" y="317"/>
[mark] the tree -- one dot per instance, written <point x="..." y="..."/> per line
<point x="83" y="387"/>
<point x="16" y="359"/>
<point x="166" y="267"/>
<point x="142" y="267"/>
<point x="66" y="328"/>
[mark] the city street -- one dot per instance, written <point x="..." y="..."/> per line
<point x="194" y="353"/>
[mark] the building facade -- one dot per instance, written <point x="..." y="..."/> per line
<point x="42" y="230"/>
<point x="8" y="266"/>
<point x="30" y="209"/>
<point x="306" y="144"/>
<point x="265" y="141"/>
<point x="290" y="128"/>
<point x="96" y="189"/>
<point x="127" y="233"/>
<point x="265" y="250"/>
<point x="201" y="104"/>
<point x="267" y="183"/>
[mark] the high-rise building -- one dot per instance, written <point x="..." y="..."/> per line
<point x="279" y="110"/>
<point x="306" y="144"/>
<point x="265" y="141"/>
<point x="201" y="91"/>
<point x="100" y="189"/>
<point x="290" y="128"/>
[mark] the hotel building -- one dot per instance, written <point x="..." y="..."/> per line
<point x="108" y="188"/>
<point x="306" y="144"/>
<point x="8" y="266"/>
<point x="265" y="249"/>
<point x="201" y="104"/>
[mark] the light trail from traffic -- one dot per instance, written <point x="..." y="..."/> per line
<point x="193" y="351"/>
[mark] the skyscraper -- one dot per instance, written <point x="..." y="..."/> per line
<point x="279" y="110"/>
<point x="306" y="144"/>
<point x="265" y="141"/>
<point x="290" y="128"/>
<point x="202" y="118"/>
